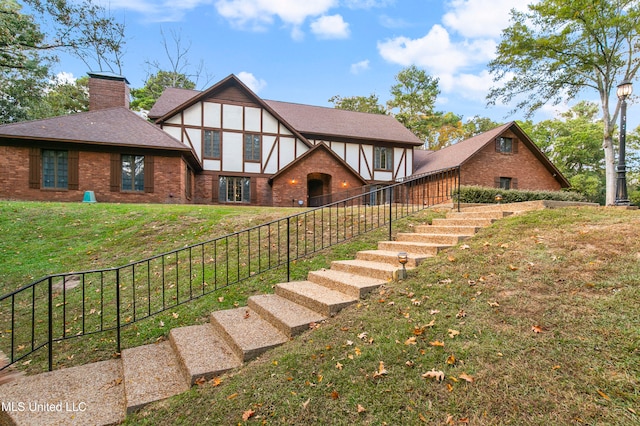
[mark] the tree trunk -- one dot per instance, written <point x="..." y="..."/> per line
<point x="610" y="169"/>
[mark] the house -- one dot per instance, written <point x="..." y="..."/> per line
<point x="226" y="145"/>
<point x="504" y="157"/>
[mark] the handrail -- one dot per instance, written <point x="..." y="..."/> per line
<point x="109" y="299"/>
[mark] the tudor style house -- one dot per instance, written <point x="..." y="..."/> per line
<point x="227" y="145"/>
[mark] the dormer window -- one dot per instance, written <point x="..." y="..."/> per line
<point x="504" y="145"/>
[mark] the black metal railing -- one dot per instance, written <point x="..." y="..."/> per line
<point x="65" y="306"/>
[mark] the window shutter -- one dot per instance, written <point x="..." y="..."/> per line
<point x="116" y="172"/>
<point x="514" y="183"/>
<point x="34" y="168"/>
<point x="254" y="191"/>
<point x="496" y="182"/>
<point x="73" y="163"/>
<point x="497" y="144"/>
<point x="148" y="173"/>
<point x="514" y="146"/>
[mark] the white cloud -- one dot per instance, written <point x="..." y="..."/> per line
<point x="480" y="18"/>
<point x="258" y="14"/>
<point x="389" y="22"/>
<point x="154" y="11"/>
<point x="367" y="4"/>
<point x="469" y="86"/>
<point x="359" y="67"/>
<point x="330" y="27"/>
<point x="251" y="81"/>
<point x="64" y="78"/>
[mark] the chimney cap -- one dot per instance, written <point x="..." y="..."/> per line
<point x="104" y="75"/>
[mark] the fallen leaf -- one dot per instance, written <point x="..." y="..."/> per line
<point x="631" y="410"/>
<point x="305" y="404"/>
<point x="461" y="314"/>
<point x="335" y="395"/>
<point x="465" y="376"/>
<point x="505" y="245"/>
<point x="449" y="420"/>
<point x="339" y="366"/>
<point x="409" y="363"/>
<point x="362" y="335"/>
<point x="357" y="351"/>
<point x="451" y="258"/>
<point x="248" y="414"/>
<point x="604" y="395"/>
<point x="247" y="314"/>
<point x="216" y="381"/>
<point x="555" y="367"/>
<point x="453" y="333"/>
<point x="221" y="299"/>
<point x="433" y="374"/>
<point x="464" y="420"/>
<point x="464" y="247"/>
<point x="410" y="341"/>
<point x="451" y="359"/>
<point x="417" y="331"/>
<point x="232" y="396"/>
<point x="200" y="381"/>
<point x="381" y="371"/>
<point x="175" y="314"/>
<point x="436" y="343"/>
<point x="161" y="323"/>
<point x="513" y="268"/>
<point x="537" y="329"/>
<point x="494" y="304"/>
<point x="361" y="409"/>
<point x="422" y="417"/>
<point x="434" y="311"/>
<point x="431" y="323"/>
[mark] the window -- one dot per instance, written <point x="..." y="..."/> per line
<point x="383" y="158"/>
<point x="252" y="147"/>
<point x="55" y="169"/>
<point x="504" y="145"/>
<point x="132" y="173"/>
<point x="505" y="183"/>
<point x="212" y="144"/>
<point x="234" y="189"/>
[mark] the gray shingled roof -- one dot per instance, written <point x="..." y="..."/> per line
<point x="323" y="121"/>
<point x="113" y="126"/>
<point x="171" y="97"/>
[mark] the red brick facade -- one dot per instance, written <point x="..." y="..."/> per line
<point x="487" y="166"/>
<point x="108" y="92"/>
<point x="94" y="174"/>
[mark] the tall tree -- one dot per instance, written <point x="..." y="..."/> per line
<point x="476" y="125"/>
<point x="145" y="97"/>
<point x="413" y="99"/>
<point x="558" y="48"/>
<point x="370" y="104"/>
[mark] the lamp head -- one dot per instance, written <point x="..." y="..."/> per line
<point x="624" y="89"/>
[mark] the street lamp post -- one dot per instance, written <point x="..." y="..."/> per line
<point x="624" y="90"/>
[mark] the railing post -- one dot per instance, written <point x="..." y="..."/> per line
<point x="118" y="309"/>
<point x="50" y="282"/>
<point x="390" y="212"/>
<point x="288" y="250"/>
<point x="459" y="195"/>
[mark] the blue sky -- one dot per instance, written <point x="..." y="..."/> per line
<point x="307" y="51"/>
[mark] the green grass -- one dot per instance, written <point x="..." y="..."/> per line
<point x="571" y="274"/>
<point x="47" y="238"/>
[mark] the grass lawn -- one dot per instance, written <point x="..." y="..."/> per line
<point x="532" y="322"/>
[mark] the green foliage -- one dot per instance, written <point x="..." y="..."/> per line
<point x="477" y="125"/>
<point x="370" y="104"/>
<point x="65" y="98"/>
<point x="487" y="195"/>
<point x="145" y="97"/>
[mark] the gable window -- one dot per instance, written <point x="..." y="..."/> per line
<point x="211" y="147"/>
<point x="132" y="173"/>
<point x="252" y="147"/>
<point x="234" y="189"/>
<point x="506" y="182"/>
<point x="383" y="158"/>
<point x="55" y="169"/>
<point x="504" y="145"/>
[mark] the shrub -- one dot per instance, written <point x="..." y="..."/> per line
<point x="479" y="194"/>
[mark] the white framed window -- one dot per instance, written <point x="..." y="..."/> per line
<point x="383" y="158"/>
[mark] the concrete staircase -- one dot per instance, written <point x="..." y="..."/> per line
<point x="104" y="392"/>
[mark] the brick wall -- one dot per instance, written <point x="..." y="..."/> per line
<point x="108" y="93"/>
<point x="488" y="164"/>
<point x="94" y="175"/>
<point x="292" y="184"/>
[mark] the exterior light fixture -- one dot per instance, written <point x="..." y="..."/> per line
<point x="293" y="181"/>
<point x="624" y="90"/>
<point x="403" y="258"/>
<point x="498" y="198"/>
<point x="344" y="183"/>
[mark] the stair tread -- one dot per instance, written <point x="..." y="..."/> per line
<point x="361" y="281"/>
<point x="367" y="264"/>
<point x="151" y="373"/>
<point x="251" y="333"/>
<point x="98" y="386"/>
<point x="317" y="292"/>
<point x="289" y="313"/>
<point x="203" y="353"/>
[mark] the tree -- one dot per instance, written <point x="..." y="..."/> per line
<point x="144" y="98"/>
<point x="477" y="125"/>
<point x="414" y="97"/>
<point x="369" y="104"/>
<point x="64" y="98"/>
<point x="559" y="48"/>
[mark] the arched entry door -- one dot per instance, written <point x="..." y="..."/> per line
<point x="318" y="188"/>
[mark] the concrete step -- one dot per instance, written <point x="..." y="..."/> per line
<point x="315" y="297"/>
<point x="462" y="222"/>
<point x="287" y="316"/>
<point x="345" y="282"/>
<point x="488" y="214"/>
<point x="450" y="229"/>
<point x="90" y="394"/>
<point x="379" y="270"/>
<point x="390" y="257"/>
<point x="440" y="239"/>
<point x="201" y="352"/>
<point x="151" y="373"/>
<point x="248" y="334"/>
<point x="423" y="250"/>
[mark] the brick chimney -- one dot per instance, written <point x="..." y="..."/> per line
<point x="107" y="90"/>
